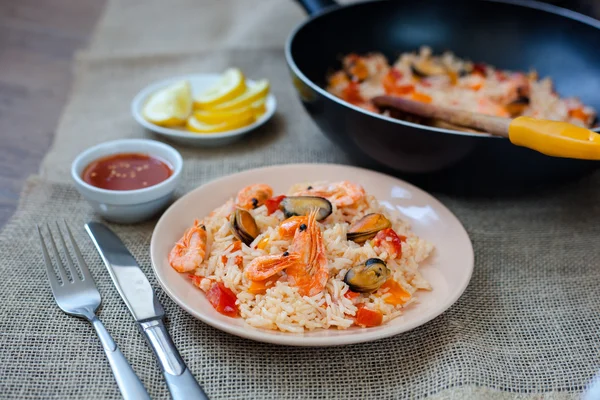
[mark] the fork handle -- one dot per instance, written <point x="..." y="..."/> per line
<point x="180" y="381"/>
<point x="129" y="384"/>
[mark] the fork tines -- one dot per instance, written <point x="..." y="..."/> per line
<point x="60" y="266"/>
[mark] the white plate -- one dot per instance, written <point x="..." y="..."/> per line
<point x="448" y="269"/>
<point x="199" y="83"/>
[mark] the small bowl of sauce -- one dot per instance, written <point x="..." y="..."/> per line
<point x="126" y="171"/>
<point x="128" y="180"/>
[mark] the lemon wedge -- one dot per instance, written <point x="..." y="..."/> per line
<point x="259" y="107"/>
<point x="194" y="125"/>
<point x="217" y="117"/>
<point x="253" y="93"/>
<point x="230" y="85"/>
<point x="169" y="106"/>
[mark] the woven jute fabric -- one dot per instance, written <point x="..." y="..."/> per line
<point x="99" y="110"/>
<point x="527" y="326"/>
<point x="139" y="27"/>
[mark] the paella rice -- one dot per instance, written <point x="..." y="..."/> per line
<point x="325" y="255"/>
<point x="449" y="81"/>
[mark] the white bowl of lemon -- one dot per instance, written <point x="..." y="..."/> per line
<point x="204" y="109"/>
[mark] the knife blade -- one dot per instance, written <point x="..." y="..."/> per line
<point x="138" y="295"/>
<point x="132" y="284"/>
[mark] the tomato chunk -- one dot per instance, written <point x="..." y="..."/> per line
<point x="222" y="299"/>
<point x="260" y="287"/>
<point x="422" y="97"/>
<point x="390" y="241"/>
<point x="579" y="114"/>
<point x="196" y="279"/>
<point x="235" y="246"/>
<point x="396" y="293"/>
<point x="476" y="86"/>
<point x="351" y="93"/>
<point x="338" y="79"/>
<point x="396" y="74"/>
<point x="368" y="318"/>
<point x="273" y="203"/>
<point x="238" y="260"/>
<point x="359" y="70"/>
<point x="391" y="86"/>
<point x="351" y="295"/>
<point x="479" y="68"/>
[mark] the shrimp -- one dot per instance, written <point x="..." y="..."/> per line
<point x="188" y="253"/>
<point x="310" y="274"/>
<point x="288" y="227"/>
<point x="342" y="194"/>
<point x="253" y="196"/>
<point x="264" y="267"/>
<point x="338" y="82"/>
<point x="369" y="67"/>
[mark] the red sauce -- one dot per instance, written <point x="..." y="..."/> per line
<point x="126" y="171"/>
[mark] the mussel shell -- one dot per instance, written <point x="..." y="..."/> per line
<point x="367" y="227"/>
<point x="464" y="72"/>
<point x="518" y="106"/>
<point x="428" y="67"/>
<point x="302" y="205"/>
<point x="244" y="226"/>
<point x="368" y="276"/>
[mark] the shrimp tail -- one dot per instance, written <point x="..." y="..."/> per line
<point x="264" y="267"/>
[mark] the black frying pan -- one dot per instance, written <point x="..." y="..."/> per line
<point x="515" y="35"/>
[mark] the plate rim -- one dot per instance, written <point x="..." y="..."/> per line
<point x="296" y="340"/>
<point x="142" y="95"/>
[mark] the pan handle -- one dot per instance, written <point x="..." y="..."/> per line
<point x="313" y="7"/>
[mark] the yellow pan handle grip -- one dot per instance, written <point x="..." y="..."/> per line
<point x="556" y="139"/>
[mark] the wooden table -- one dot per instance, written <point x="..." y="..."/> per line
<point x="37" y="42"/>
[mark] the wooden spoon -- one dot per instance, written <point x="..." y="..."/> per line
<point x="556" y="139"/>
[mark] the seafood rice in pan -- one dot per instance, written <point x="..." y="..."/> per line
<point x="449" y="81"/>
<point x="325" y="255"/>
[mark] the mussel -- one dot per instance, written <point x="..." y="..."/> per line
<point x="367" y="227"/>
<point x="465" y="69"/>
<point x="243" y="226"/>
<point x="428" y="67"/>
<point x="302" y="205"/>
<point x="518" y="106"/>
<point x="368" y="276"/>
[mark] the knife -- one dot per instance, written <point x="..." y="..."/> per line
<point x="134" y="288"/>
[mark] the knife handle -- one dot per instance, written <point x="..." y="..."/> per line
<point x="180" y="381"/>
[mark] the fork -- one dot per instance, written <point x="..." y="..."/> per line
<point x="80" y="297"/>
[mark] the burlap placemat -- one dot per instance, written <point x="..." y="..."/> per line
<point x="99" y="110"/>
<point x="141" y="27"/>
<point x="527" y="326"/>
